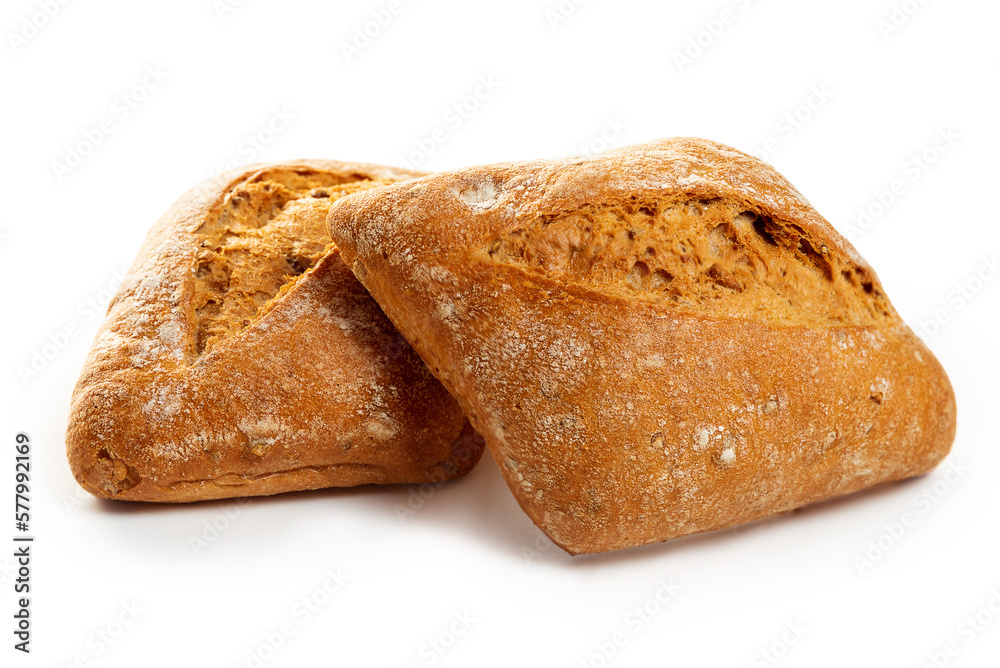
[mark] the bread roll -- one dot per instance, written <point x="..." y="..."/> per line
<point x="657" y="341"/>
<point x="241" y="357"/>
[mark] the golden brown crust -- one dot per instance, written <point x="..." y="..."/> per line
<point x="762" y="370"/>
<point x="276" y="377"/>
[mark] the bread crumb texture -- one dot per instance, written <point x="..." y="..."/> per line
<point x="269" y="232"/>
<point x="708" y="256"/>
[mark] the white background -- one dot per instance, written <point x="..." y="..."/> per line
<point x="608" y="74"/>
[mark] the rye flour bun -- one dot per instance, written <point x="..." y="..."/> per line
<point x="240" y="357"/>
<point x="657" y="341"/>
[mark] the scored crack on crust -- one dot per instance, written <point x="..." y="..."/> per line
<point x="241" y="357"/>
<point x="270" y="231"/>
<point x="656" y="341"/>
<point x="707" y="255"/>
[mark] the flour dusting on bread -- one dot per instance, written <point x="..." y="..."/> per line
<point x="654" y="341"/>
<point x="241" y="357"/>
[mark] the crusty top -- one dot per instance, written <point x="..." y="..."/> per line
<point x="599" y="221"/>
<point x="240" y="356"/>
